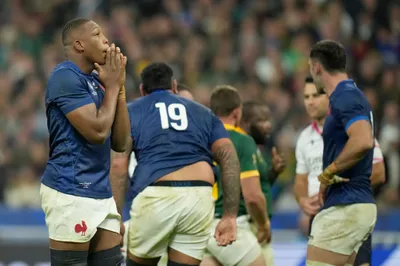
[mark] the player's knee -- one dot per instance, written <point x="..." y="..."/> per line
<point x="108" y="257"/>
<point x="68" y="257"/>
<point x="173" y="263"/>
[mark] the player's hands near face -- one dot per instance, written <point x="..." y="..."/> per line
<point x="264" y="233"/>
<point x="278" y="161"/>
<point x="310" y="205"/>
<point x="225" y="232"/>
<point x="110" y="72"/>
<point x="124" y="60"/>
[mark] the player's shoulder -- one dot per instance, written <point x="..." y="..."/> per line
<point x="347" y="90"/>
<point x="64" y="71"/>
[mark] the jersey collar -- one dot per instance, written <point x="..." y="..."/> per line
<point x="237" y="129"/>
<point x="314" y="126"/>
<point x="342" y="84"/>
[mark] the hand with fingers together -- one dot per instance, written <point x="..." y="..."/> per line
<point x="111" y="74"/>
<point x="225" y="232"/>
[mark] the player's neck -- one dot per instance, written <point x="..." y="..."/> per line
<point x="333" y="80"/>
<point x="320" y="122"/>
<point x="84" y="65"/>
<point x="228" y="121"/>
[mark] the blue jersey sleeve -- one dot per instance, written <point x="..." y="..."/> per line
<point x="350" y="108"/>
<point x="218" y="130"/>
<point x="67" y="91"/>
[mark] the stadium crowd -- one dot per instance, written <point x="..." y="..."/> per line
<point x="259" y="46"/>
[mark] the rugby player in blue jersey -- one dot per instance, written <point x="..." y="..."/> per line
<point x="175" y="141"/>
<point x="86" y="117"/>
<point x="348" y="215"/>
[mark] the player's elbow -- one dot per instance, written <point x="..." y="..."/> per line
<point x="254" y="198"/>
<point x="97" y="138"/>
<point x="366" y="143"/>
<point x="119" y="166"/>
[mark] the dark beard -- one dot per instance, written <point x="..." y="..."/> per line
<point x="257" y="135"/>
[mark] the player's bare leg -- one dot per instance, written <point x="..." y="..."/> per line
<point x="179" y="258"/>
<point x="321" y="257"/>
<point x="209" y="261"/>
<point x="136" y="261"/>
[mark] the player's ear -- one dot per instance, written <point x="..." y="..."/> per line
<point x="142" y="92"/>
<point x="174" y="86"/>
<point x="78" y="45"/>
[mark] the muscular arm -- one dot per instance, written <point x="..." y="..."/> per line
<point x="359" y="143"/>
<point x="119" y="175"/>
<point x="255" y="200"/>
<point x="225" y="155"/>
<point x="92" y="123"/>
<point x="301" y="186"/>
<point x="120" y="133"/>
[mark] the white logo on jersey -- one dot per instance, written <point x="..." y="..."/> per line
<point x="91" y="88"/>
<point x="85" y="184"/>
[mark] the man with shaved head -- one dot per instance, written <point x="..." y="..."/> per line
<point x="86" y="116"/>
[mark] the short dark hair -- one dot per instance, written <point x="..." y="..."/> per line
<point x="330" y="54"/>
<point x="224" y="99"/>
<point x="309" y="79"/>
<point x="70" y="27"/>
<point x="248" y="110"/>
<point x="156" y="76"/>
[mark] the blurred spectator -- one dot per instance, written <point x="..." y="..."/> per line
<point x="259" y="46"/>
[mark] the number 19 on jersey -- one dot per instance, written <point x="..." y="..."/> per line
<point x="172" y="116"/>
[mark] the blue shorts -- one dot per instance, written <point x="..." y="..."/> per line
<point x="364" y="253"/>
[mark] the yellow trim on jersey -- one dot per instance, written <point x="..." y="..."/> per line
<point x="251" y="173"/>
<point x="215" y="191"/>
<point x="233" y="128"/>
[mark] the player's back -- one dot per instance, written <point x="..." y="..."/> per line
<point x="169" y="132"/>
<point x="75" y="166"/>
<point x="348" y="105"/>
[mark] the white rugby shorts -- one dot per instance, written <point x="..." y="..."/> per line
<point x="242" y="252"/>
<point x="75" y="219"/>
<point x="175" y="217"/>
<point x="342" y="229"/>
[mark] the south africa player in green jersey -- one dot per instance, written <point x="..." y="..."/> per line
<point x="256" y="121"/>
<point x="246" y="250"/>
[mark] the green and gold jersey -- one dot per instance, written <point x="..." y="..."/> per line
<point x="264" y="165"/>
<point x="246" y="149"/>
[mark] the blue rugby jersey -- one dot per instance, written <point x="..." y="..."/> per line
<point x="169" y="132"/>
<point x="347" y="105"/>
<point x="75" y="166"/>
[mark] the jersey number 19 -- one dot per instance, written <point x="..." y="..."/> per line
<point x="172" y="116"/>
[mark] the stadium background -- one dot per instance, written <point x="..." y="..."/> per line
<point x="259" y="46"/>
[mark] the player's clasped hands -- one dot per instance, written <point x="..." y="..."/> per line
<point x="112" y="73"/>
<point x="225" y="232"/>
